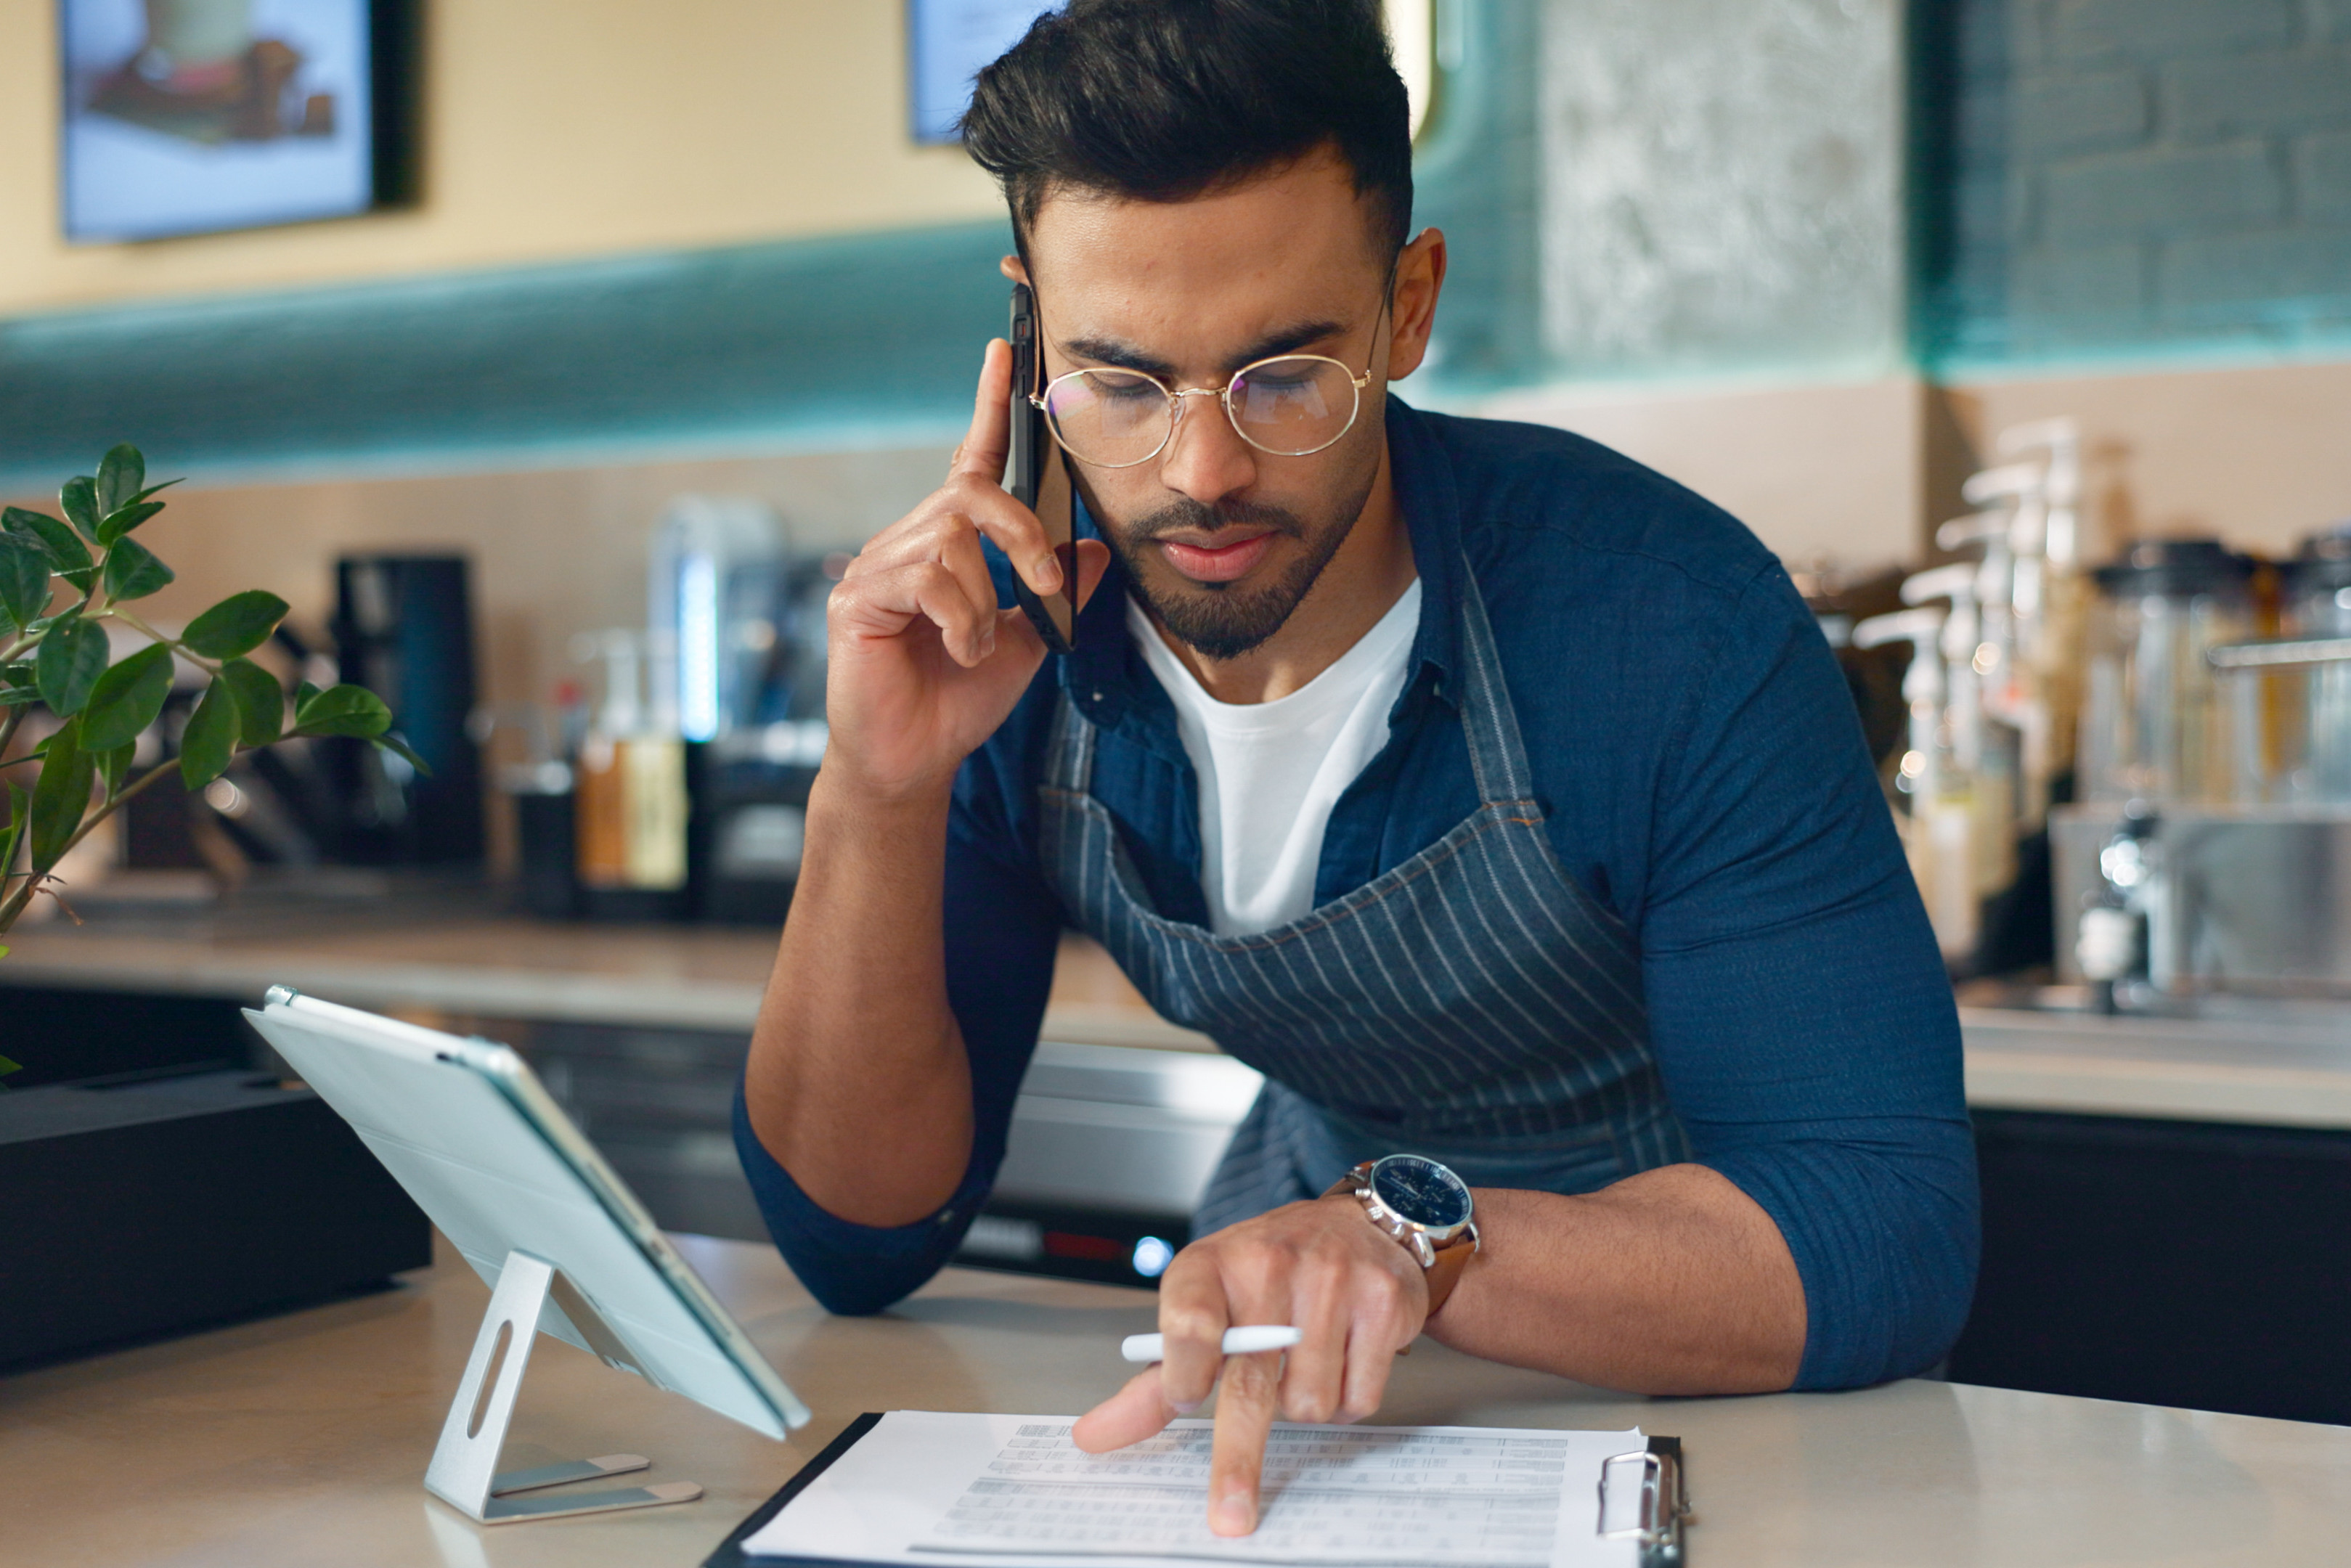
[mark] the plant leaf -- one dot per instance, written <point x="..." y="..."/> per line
<point x="120" y="473"/>
<point x="343" y="710"/>
<point x="24" y="581"/>
<point x="132" y="571"/>
<point x="303" y="693"/>
<point x="78" y="498"/>
<point x="393" y="743"/>
<point x="72" y="658"/>
<point x="60" y="795"/>
<point x="18" y="802"/>
<point x="113" y="764"/>
<point x="210" y="740"/>
<point x="126" y="699"/>
<point x="17" y="687"/>
<point x="152" y="490"/>
<point x="236" y="625"/>
<point x="260" y="701"/>
<point x="115" y="524"/>
<point x="67" y="553"/>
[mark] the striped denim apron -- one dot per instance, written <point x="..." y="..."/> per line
<point x="1473" y="1004"/>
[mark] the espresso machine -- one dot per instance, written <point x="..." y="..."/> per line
<point x="2211" y="855"/>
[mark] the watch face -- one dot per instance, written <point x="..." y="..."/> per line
<point x="1421" y="1190"/>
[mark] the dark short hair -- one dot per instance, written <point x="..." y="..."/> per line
<point x="1163" y="100"/>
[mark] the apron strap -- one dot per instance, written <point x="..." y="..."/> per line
<point x="1497" y="755"/>
<point x="1070" y="749"/>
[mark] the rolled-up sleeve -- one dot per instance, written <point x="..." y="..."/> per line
<point x="1800" y="1009"/>
<point x="1002" y="926"/>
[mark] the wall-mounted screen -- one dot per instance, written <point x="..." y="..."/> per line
<point x="947" y="43"/>
<point x="190" y="115"/>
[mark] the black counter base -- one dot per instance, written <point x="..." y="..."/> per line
<point x="161" y="1204"/>
<point x="2162" y="1262"/>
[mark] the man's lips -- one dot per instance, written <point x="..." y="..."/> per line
<point x="1219" y="563"/>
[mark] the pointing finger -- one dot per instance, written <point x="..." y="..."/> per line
<point x="985" y="447"/>
<point x="1245" y="1403"/>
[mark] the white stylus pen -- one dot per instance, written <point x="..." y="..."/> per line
<point x="1238" y="1342"/>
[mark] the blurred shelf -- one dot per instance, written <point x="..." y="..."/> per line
<point x="433" y="957"/>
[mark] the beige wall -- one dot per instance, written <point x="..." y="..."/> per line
<point x="2258" y="457"/>
<point x="551" y="128"/>
<point x="1857" y="472"/>
<point x="1820" y="471"/>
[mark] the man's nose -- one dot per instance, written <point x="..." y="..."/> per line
<point x="1205" y="458"/>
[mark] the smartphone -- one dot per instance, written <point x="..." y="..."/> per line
<point x="1036" y="475"/>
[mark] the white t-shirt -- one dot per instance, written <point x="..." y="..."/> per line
<point x="1270" y="773"/>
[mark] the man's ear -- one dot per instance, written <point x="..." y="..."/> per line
<point x="1013" y="267"/>
<point x="1420" y="278"/>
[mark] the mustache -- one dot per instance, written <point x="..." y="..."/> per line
<point x="1184" y="513"/>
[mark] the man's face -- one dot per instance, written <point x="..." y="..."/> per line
<point x="1221" y="539"/>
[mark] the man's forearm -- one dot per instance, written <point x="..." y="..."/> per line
<point x="858" y="1082"/>
<point x="1673" y="1281"/>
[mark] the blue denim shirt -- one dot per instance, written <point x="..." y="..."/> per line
<point x="1702" y="774"/>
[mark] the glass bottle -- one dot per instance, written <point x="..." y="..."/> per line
<point x="2155" y="727"/>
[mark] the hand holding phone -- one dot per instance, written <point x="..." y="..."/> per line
<point x="916" y="679"/>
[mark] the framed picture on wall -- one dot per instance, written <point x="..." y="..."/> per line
<point x="195" y="116"/>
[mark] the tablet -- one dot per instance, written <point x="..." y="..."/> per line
<point x="466" y="1127"/>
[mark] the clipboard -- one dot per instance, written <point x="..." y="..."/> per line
<point x="730" y="1553"/>
<point x="1658" y="1498"/>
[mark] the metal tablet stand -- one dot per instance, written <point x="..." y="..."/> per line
<point x="464" y="1473"/>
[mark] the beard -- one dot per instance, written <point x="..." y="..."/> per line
<point x="1221" y="621"/>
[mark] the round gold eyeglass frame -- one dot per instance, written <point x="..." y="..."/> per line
<point x="1224" y="396"/>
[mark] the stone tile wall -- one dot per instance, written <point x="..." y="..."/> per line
<point x="1721" y="186"/>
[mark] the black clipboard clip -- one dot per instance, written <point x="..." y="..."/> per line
<point x="1648" y="1484"/>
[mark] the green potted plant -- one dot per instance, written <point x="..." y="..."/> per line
<point x="62" y="581"/>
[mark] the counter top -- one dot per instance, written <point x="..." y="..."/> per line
<point x="2292" y="1069"/>
<point x="302" y="1439"/>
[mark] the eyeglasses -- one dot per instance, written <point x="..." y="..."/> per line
<point x="1290" y="405"/>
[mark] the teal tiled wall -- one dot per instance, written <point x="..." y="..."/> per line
<point x="2149" y="178"/>
<point x="843" y="342"/>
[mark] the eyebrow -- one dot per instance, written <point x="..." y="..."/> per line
<point x="1126" y="356"/>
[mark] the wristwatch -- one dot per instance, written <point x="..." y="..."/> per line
<point x="1425" y="1206"/>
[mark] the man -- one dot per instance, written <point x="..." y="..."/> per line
<point x="1494" y="796"/>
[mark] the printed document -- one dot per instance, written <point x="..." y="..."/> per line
<point x="993" y="1491"/>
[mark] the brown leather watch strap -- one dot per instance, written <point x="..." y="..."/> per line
<point x="1446" y="1273"/>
